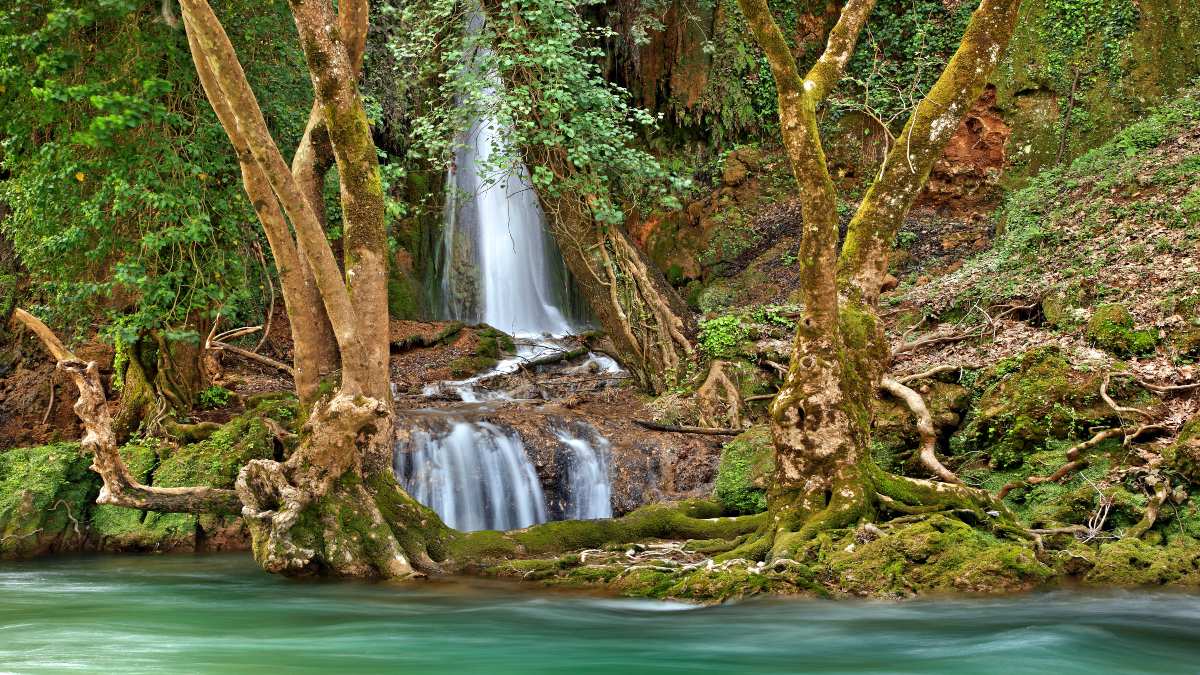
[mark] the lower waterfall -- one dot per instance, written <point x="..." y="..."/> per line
<point x="478" y="476"/>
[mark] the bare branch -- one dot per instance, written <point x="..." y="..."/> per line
<point x="120" y="488"/>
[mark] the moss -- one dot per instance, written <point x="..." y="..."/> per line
<point x="466" y="366"/>
<point x="214" y="462"/>
<point x="404" y="297"/>
<point x="1183" y="456"/>
<point x="1133" y="562"/>
<point x="747" y="463"/>
<point x="41" y="490"/>
<point x="1111" y="328"/>
<point x="689" y="519"/>
<point x="937" y="554"/>
<point x="1027" y="402"/>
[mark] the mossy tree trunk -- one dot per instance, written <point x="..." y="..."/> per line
<point x="825" y="477"/>
<point x="651" y="328"/>
<point x="312" y="513"/>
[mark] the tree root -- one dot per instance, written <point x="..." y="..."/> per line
<point x="925" y="428"/>
<point x="694" y="519"/>
<point x="1162" y="490"/>
<point x="719" y="391"/>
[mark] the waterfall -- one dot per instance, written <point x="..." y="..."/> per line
<point x="498" y="265"/>
<point x="475" y="475"/>
<point x="478" y="476"/>
<point x="587" y="490"/>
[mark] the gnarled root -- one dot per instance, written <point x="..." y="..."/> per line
<point x="312" y="513"/>
<point x="925" y="428"/>
<point x="790" y="527"/>
<point x="719" y="400"/>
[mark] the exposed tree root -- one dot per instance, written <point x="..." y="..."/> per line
<point x="1162" y="489"/>
<point x="120" y="487"/>
<point x="693" y="519"/>
<point x="927" y="453"/>
<point x="719" y="399"/>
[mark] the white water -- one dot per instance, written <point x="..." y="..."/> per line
<point x="500" y="267"/>
<point x="588" y="493"/>
<point x="493" y="221"/>
<point x="474" y="474"/>
<point x="477" y="475"/>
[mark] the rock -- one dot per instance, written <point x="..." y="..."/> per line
<point x="747" y="463"/>
<point x="735" y="173"/>
<point x="1111" y="328"/>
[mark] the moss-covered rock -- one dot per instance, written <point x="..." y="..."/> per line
<point x="1183" y="456"/>
<point x="1111" y="328"/>
<point x="46" y="493"/>
<point x="1028" y="401"/>
<point x="213" y="462"/>
<point x="743" y="476"/>
<point x="1133" y="562"/>
<point x="936" y="554"/>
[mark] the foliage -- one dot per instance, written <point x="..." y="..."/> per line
<point x="215" y="397"/>
<point x="900" y="54"/>
<point x="537" y="78"/>
<point x="1086" y="35"/>
<point x="124" y="193"/>
<point x="721" y="336"/>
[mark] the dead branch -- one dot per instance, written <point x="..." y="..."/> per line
<point x="247" y="354"/>
<point x="120" y="488"/>
<point x="925" y="428"/>
<point x="932" y="372"/>
<point x="685" y="429"/>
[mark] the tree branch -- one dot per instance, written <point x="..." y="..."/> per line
<point x="120" y="488"/>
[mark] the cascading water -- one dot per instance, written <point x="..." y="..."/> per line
<point x="588" y="492"/>
<point x="500" y="267"/>
<point x="475" y="475"/>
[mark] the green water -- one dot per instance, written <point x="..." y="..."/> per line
<point x="222" y="614"/>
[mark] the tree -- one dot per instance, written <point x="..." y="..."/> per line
<point x="333" y="505"/>
<point x="825" y="477"/>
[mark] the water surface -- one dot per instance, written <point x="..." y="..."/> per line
<point x="220" y="613"/>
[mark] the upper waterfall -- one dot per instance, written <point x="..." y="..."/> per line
<point x="499" y="266"/>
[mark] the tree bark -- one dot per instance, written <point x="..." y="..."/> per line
<point x="650" y="326"/>
<point x="825" y="477"/>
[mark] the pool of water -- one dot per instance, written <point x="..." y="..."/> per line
<point x="222" y="614"/>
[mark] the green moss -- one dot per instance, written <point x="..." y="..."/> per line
<point x="466" y="366"/>
<point x="1027" y="402"/>
<point x="1133" y="562"/>
<point x="41" y="490"/>
<point x="492" y="343"/>
<point x="404" y="297"/>
<point x="1111" y="328"/>
<point x="747" y="463"/>
<point x="1183" y="456"/>
<point x="937" y="554"/>
<point x="213" y="462"/>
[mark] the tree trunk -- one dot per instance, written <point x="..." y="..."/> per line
<point x="650" y="326"/>
<point x="821" y="419"/>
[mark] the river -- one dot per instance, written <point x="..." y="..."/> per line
<point x="220" y="613"/>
